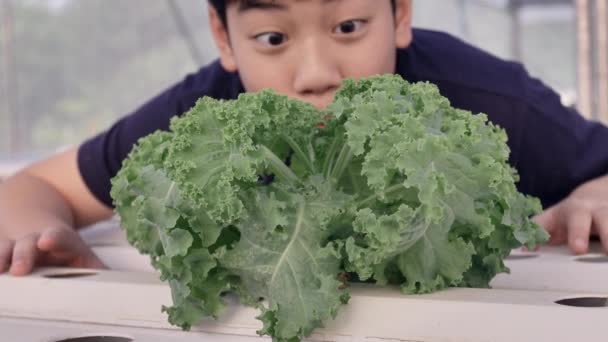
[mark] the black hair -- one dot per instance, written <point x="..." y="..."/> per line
<point x="220" y="6"/>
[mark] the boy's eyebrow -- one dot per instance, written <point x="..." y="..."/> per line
<point x="264" y="5"/>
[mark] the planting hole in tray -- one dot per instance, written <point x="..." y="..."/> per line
<point x="97" y="339"/>
<point x="63" y="275"/>
<point x="593" y="259"/>
<point x="585" y="302"/>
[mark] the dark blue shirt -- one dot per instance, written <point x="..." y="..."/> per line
<point x="553" y="148"/>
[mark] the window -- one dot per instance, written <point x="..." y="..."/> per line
<point x="71" y="67"/>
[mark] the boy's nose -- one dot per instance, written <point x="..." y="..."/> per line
<point x="316" y="72"/>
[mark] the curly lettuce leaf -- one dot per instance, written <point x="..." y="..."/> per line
<point x="283" y="257"/>
<point x="443" y="190"/>
<point x="253" y="196"/>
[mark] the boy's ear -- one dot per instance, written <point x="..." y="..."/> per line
<point x="403" y="23"/>
<point x="222" y="40"/>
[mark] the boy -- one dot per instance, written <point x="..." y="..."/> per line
<point x="304" y="49"/>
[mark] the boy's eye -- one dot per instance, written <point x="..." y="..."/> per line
<point x="271" y="38"/>
<point x="349" y="26"/>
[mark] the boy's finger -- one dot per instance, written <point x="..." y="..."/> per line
<point x="65" y="246"/>
<point x="6" y="252"/>
<point x="600" y="222"/>
<point x="546" y="219"/>
<point x="93" y="261"/>
<point x="549" y="221"/>
<point x="24" y="255"/>
<point x="579" y="222"/>
<point x="59" y="240"/>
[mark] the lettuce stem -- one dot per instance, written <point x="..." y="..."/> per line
<point x="279" y="168"/>
<point x="328" y="163"/>
<point x="389" y="191"/>
<point x="300" y="153"/>
<point x="342" y="162"/>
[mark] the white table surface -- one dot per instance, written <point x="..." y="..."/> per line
<point x="126" y="302"/>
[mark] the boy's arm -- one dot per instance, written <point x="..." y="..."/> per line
<point x="48" y="193"/>
<point x="563" y="160"/>
<point x="583" y="212"/>
<point x="40" y="208"/>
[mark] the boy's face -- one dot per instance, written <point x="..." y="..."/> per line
<point x="304" y="48"/>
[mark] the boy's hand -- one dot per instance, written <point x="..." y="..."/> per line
<point x="581" y="214"/>
<point x="50" y="247"/>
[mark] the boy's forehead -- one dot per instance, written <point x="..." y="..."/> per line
<point x="244" y="5"/>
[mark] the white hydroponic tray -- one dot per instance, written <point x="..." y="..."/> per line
<point x="123" y="304"/>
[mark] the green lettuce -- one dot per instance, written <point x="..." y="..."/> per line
<point x="255" y="196"/>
